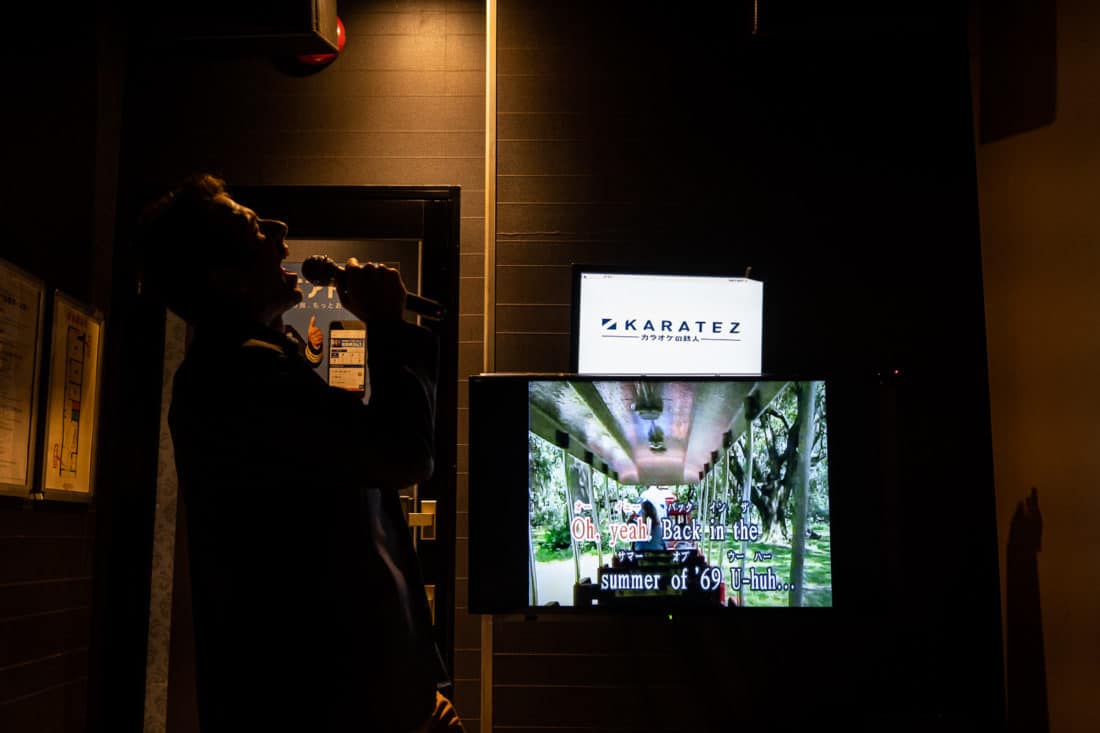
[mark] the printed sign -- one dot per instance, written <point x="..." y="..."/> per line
<point x="73" y="398"/>
<point x="20" y="339"/>
<point x="669" y="324"/>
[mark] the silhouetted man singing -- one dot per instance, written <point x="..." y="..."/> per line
<point x="308" y="604"/>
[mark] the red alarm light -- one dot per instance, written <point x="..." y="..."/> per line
<point x="320" y="59"/>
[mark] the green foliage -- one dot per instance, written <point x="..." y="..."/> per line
<point x="819" y="461"/>
<point x="547" y="476"/>
<point x="818" y="575"/>
<point x="557" y="537"/>
<point x="775" y="459"/>
<point x="627" y="492"/>
<point x="549" y="513"/>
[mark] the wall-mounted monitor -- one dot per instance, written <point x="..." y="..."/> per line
<point x="638" y="322"/>
<point x="692" y="493"/>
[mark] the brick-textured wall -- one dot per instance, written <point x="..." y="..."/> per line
<point x="404" y="104"/>
<point x="45" y="600"/>
<point x="55" y="109"/>
<point x="836" y="161"/>
<point x="607" y="139"/>
<point x="590" y="133"/>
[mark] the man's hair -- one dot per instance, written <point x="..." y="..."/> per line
<point x="179" y="239"/>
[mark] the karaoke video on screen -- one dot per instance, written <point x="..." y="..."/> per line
<point x="690" y="494"/>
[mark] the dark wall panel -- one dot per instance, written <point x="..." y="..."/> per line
<point x="45" y="606"/>
<point x="54" y="115"/>
<point x="836" y="158"/>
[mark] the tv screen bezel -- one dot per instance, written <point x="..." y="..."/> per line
<point x="501" y="520"/>
<point x="578" y="270"/>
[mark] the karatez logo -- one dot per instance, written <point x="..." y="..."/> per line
<point x="649" y="325"/>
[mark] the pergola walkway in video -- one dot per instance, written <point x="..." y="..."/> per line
<point x="601" y="449"/>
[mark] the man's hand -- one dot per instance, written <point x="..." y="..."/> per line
<point x="314" y="334"/>
<point x="373" y="292"/>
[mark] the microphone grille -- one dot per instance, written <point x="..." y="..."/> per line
<point x="317" y="269"/>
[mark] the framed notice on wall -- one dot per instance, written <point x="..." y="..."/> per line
<point x="21" y="304"/>
<point x="72" y="400"/>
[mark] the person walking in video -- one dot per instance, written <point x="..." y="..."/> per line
<point x="653" y="511"/>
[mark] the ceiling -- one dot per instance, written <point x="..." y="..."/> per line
<point x="650" y="433"/>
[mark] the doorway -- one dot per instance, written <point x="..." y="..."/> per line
<point x="416" y="230"/>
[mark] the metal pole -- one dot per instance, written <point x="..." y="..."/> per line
<point x="595" y="511"/>
<point x="746" y="496"/>
<point x="533" y="567"/>
<point x="570" y="497"/>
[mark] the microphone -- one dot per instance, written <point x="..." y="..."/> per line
<point x="322" y="270"/>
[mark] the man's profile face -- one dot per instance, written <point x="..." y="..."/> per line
<point x="265" y="286"/>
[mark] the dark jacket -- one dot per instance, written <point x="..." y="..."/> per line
<point x="308" y="604"/>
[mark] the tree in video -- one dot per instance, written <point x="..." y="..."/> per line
<point x="789" y="498"/>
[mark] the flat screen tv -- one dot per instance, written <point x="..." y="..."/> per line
<point x="637" y="322"/>
<point x="598" y="493"/>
